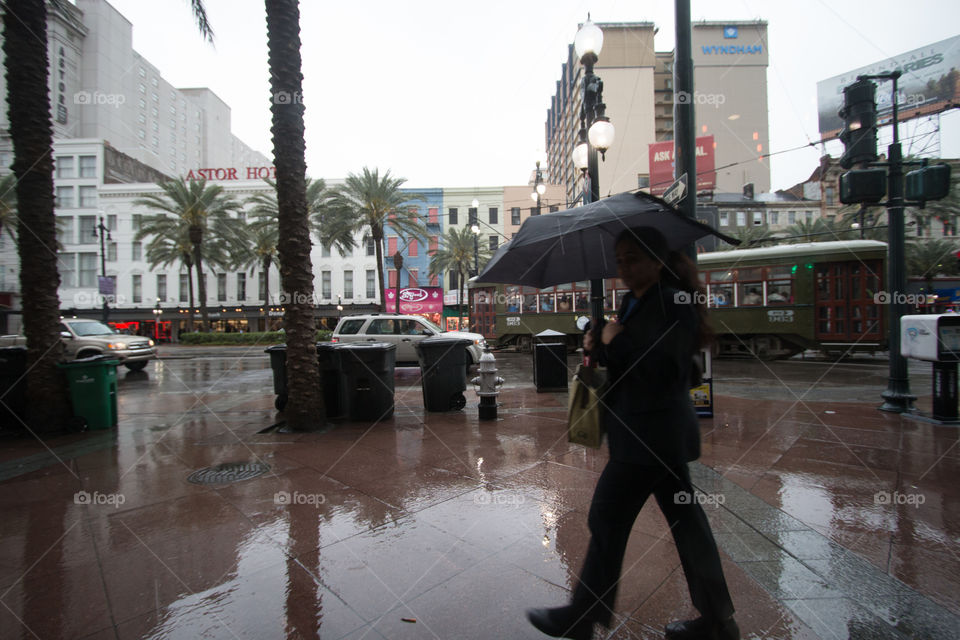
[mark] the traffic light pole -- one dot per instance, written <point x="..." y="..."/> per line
<point x="897" y="398"/>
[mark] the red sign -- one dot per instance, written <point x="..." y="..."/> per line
<point x="416" y="300"/>
<point x="662" y="165"/>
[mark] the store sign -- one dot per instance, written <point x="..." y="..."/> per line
<point x="232" y="173"/>
<point x="662" y="165"/>
<point x="416" y="300"/>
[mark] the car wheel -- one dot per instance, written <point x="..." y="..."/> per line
<point x="135" y="366"/>
<point x="87" y="354"/>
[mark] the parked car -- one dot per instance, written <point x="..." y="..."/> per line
<point x="84" y="338"/>
<point x="403" y="331"/>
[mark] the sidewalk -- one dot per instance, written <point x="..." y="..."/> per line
<point x="834" y="520"/>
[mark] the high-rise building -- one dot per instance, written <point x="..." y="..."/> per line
<point x="730" y="99"/>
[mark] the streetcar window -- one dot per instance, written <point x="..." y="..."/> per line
<point x="779" y="292"/>
<point x="720" y="295"/>
<point x="750" y="294"/>
<point x="582" y="302"/>
<point x="530" y="303"/>
<point x="564" y="302"/>
<point x="546" y="302"/>
<point x="513" y="299"/>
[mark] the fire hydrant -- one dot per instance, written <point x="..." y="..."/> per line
<point x="487" y="385"/>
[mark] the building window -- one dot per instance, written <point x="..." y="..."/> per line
<point x="184" y="287"/>
<point x="137" y="288"/>
<point x="434" y="245"/>
<point x="348" y="285"/>
<point x="741" y="218"/>
<point x="554" y="208"/>
<point x="454" y="282"/>
<point x="809" y="216"/>
<point x="757" y="218"/>
<point x="472" y="216"/>
<point x="67" y="265"/>
<point x="88" y="230"/>
<point x="434" y="281"/>
<point x="112" y="222"/>
<point x="136" y="251"/>
<point x="88" y="270"/>
<point x="161" y="287"/>
<point x="494" y="214"/>
<point x="88" y="197"/>
<point x="371" y="284"/>
<point x="325" y="284"/>
<point x="262" y="287"/>
<point x="774" y="217"/>
<point x="515" y="215"/>
<point x="724" y="219"/>
<point x="221" y="287"/>
<point x="791" y="217"/>
<point x="412" y="248"/>
<point x="493" y="243"/>
<point x="452" y="215"/>
<point x="137" y="221"/>
<point x="325" y="251"/>
<point x="831" y="194"/>
<point x="391" y="246"/>
<point x="392" y="279"/>
<point x="88" y="166"/>
<point x="65" y="229"/>
<point x="64" y="198"/>
<point x="412" y="275"/>
<point x="534" y="211"/>
<point x="241" y="286"/>
<point x="65" y="167"/>
<point x="111" y="252"/>
<point x="371" y="246"/>
<point x="433" y="215"/>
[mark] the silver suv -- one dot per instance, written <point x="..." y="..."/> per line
<point x="403" y="331"/>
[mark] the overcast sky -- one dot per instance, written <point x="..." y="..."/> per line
<point x="451" y="93"/>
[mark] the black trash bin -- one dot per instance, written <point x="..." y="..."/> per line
<point x="443" y="371"/>
<point x="550" y="366"/>
<point x="368" y="368"/>
<point x="13" y="387"/>
<point x="331" y="377"/>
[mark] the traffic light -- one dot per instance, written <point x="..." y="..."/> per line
<point x="863" y="186"/>
<point x="927" y="183"/>
<point x="859" y="113"/>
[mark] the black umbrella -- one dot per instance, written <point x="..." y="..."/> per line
<point x="578" y="244"/>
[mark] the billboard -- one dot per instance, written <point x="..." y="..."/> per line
<point x="930" y="83"/>
<point x="415" y="300"/>
<point x="662" y="165"/>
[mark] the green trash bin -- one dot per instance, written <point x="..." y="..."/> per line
<point x="93" y="390"/>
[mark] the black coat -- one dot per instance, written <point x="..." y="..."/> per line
<point x="651" y="419"/>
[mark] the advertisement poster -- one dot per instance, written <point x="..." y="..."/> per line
<point x="662" y="165"/>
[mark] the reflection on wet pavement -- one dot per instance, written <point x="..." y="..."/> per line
<point x="834" y="520"/>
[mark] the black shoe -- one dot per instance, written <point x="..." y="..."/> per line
<point x="703" y="629"/>
<point x="561" y="622"/>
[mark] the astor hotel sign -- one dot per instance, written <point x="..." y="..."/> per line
<point x="233" y="173"/>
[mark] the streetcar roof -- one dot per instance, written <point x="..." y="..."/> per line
<point x="800" y="249"/>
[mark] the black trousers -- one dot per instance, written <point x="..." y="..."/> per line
<point x="622" y="490"/>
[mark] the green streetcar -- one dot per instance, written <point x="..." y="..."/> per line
<point x="770" y="302"/>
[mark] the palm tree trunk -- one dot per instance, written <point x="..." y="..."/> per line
<point x="196" y="239"/>
<point x="378" y="244"/>
<point x="25" y="51"/>
<point x="305" y="409"/>
<point x="266" y="282"/>
<point x="460" y="292"/>
<point x="192" y="299"/>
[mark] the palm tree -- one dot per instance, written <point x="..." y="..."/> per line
<point x="750" y="237"/>
<point x="376" y="203"/>
<point x="169" y="244"/>
<point x="201" y="209"/>
<point x="305" y="408"/>
<point x="457" y="254"/>
<point x="929" y="258"/>
<point x="8" y="206"/>
<point x="261" y="250"/>
<point x="27" y="67"/>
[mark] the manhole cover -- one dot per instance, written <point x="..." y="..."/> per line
<point x="228" y="472"/>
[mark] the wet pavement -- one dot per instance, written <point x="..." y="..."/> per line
<point x="834" y="520"/>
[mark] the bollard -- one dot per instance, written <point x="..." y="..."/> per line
<point x="487" y="385"/>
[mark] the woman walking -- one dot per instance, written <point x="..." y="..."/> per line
<point x="652" y="432"/>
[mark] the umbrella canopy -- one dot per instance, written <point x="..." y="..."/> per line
<point x="578" y="244"/>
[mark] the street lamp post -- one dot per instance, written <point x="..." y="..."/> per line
<point x="475" y="228"/>
<point x="104" y="233"/>
<point x="157" y="313"/>
<point x="398" y="265"/>
<point x="596" y="134"/>
<point x="339" y="308"/>
<point x="539" y="188"/>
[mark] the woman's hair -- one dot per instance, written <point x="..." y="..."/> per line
<point x="678" y="271"/>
